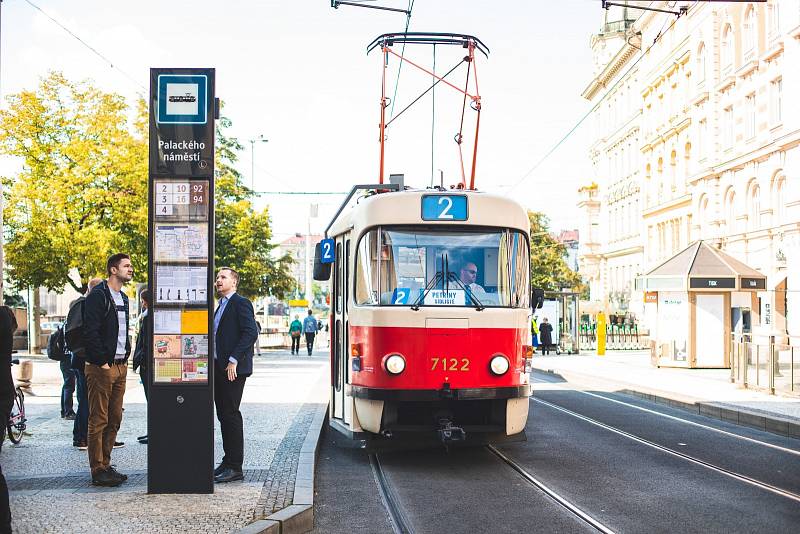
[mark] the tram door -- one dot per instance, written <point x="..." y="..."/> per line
<point x="340" y="343"/>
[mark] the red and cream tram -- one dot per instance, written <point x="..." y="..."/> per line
<point x="429" y="316"/>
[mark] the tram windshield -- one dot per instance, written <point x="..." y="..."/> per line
<point x="422" y="267"/>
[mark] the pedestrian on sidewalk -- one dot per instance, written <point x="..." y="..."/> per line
<point x="546" y="335"/>
<point x="235" y="332"/>
<point x="295" y="331"/>
<point x="534" y="333"/>
<point x="107" y="318"/>
<point x="258" y="339"/>
<point x="56" y="350"/>
<point x="310" y="329"/>
<point x="76" y="348"/>
<point x="142" y="352"/>
<point x="8" y="324"/>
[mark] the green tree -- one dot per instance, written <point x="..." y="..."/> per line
<point x="549" y="269"/>
<point x="242" y="233"/>
<point x="81" y="193"/>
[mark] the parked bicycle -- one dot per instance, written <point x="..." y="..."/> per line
<point x="16" y="423"/>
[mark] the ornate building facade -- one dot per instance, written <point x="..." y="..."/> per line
<point x="715" y="126"/>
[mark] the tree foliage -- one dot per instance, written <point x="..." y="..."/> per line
<point x="549" y="269"/>
<point x="243" y="234"/>
<point x="81" y="193"/>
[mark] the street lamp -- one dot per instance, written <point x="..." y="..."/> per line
<point x="259" y="139"/>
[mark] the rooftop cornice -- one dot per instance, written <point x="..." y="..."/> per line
<point x="610" y="70"/>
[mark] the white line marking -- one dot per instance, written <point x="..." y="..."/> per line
<point x="736" y="476"/>
<point x="674" y="418"/>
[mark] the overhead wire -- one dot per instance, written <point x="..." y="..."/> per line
<point x="402" y="54"/>
<point x="87" y="45"/>
<point x="593" y="108"/>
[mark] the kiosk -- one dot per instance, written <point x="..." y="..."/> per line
<point x="694" y="294"/>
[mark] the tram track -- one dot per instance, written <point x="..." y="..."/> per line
<point x="571" y="507"/>
<point x="703" y="463"/>
<point x="399" y="521"/>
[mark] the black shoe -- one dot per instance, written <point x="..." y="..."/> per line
<point x="229" y="475"/>
<point x="69" y="417"/>
<point x="80" y="445"/>
<point x="119" y="444"/>
<point x="105" y="478"/>
<point x="219" y="469"/>
<point x="117" y="474"/>
<point x="142" y="440"/>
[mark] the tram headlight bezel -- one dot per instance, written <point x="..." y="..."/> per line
<point x="394" y="364"/>
<point x="499" y="365"/>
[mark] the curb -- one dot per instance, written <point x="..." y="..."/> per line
<point x="298" y="517"/>
<point x="774" y="424"/>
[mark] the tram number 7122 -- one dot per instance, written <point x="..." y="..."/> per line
<point x="450" y="364"/>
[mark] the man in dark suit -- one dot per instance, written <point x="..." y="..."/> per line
<point x="235" y="332"/>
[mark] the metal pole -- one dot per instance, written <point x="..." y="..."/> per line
<point x="252" y="164"/>
<point x="2" y="220"/>
<point x="308" y="265"/>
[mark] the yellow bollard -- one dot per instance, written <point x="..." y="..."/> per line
<point x="601" y="334"/>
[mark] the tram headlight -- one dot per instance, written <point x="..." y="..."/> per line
<point x="499" y="364"/>
<point x="395" y="364"/>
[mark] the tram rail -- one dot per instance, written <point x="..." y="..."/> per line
<point x="708" y="465"/>
<point x="400" y="522"/>
<point x="571" y="507"/>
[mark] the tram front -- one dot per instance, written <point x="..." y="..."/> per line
<point x="436" y="322"/>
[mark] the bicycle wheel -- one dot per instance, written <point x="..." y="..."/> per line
<point x="16" y="421"/>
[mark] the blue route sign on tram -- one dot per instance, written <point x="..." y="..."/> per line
<point x="444" y="208"/>
<point x="327" y="248"/>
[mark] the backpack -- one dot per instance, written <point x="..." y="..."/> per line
<point x="74" y="331"/>
<point x="56" y="348"/>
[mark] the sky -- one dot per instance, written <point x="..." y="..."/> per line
<point x="297" y="73"/>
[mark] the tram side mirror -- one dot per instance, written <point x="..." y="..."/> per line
<point x="323" y="259"/>
<point x="537" y="298"/>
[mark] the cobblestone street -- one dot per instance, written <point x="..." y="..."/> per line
<point x="49" y="480"/>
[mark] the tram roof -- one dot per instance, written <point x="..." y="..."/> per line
<point x="405" y="207"/>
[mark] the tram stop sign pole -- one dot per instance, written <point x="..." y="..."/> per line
<point x="180" y="373"/>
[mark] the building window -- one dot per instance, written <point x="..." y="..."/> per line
<point x="750" y="34"/>
<point x="750" y="116"/>
<point x="773" y="20"/>
<point x="730" y="211"/>
<point x="727" y="127"/>
<point x="776" y="101"/>
<point x="701" y="139"/>
<point x="726" y="58"/>
<point x="779" y="203"/>
<point x="754" y="211"/>
<point x="673" y="170"/>
<point x="701" y="64"/>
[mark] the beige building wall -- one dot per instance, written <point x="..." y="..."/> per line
<point x="718" y="144"/>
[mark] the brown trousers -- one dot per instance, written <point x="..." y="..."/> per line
<point x="106" y="390"/>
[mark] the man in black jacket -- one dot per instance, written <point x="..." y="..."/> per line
<point x="235" y="332"/>
<point x="8" y="324"/>
<point x="141" y="354"/>
<point x="106" y="319"/>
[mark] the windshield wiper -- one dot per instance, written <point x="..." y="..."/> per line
<point x="439" y="276"/>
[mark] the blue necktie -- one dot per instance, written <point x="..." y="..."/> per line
<point x="217" y="317"/>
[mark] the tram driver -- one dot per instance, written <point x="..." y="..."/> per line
<point x="468" y="276"/>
